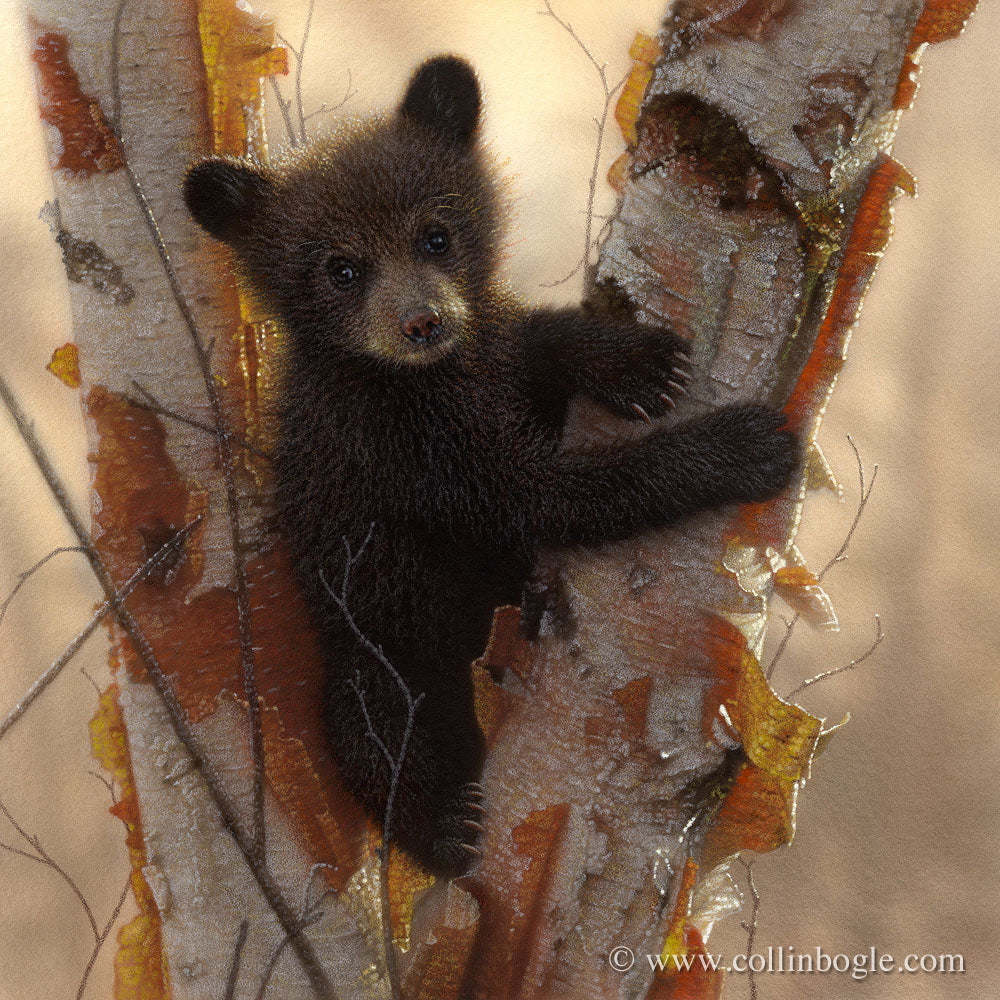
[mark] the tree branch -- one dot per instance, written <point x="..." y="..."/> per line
<point x="838" y="557"/>
<point x="148" y="567"/>
<point x="220" y="797"/>
<point x="827" y="674"/>
<point x="395" y="763"/>
<point x="224" y="450"/>
<point x="24" y="577"/>
<point x="601" y="123"/>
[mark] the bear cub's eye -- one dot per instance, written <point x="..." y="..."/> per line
<point x="342" y="272"/>
<point x="435" y="242"/>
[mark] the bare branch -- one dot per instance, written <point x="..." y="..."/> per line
<point x="865" y="492"/>
<point x="39" y="855"/>
<point x="84" y="672"/>
<point x="23" y="578"/>
<point x="234" y="968"/>
<point x="102" y="937"/>
<point x="42" y="857"/>
<point x="53" y="671"/>
<point x="300" y="56"/>
<point x="151" y="403"/>
<point x="225" y="458"/>
<point x="601" y="68"/>
<point x="827" y="674"/>
<point x="395" y="763"/>
<point x="308" y="914"/>
<point x="178" y="720"/>
<point x="108" y="784"/>
<point x="325" y="109"/>
<point x="841" y="554"/>
<point x="285" y="108"/>
<point x="750" y="925"/>
<point x="601" y="123"/>
<point x="279" y="951"/>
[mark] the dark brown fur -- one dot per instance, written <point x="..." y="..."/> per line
<point x="450" y="446"/>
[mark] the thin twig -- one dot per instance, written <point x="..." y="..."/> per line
<point x="53" y="671"/>
<point x="39" y="855"/>
<point x="178" y="719"/>
<point x="308" y="914"/>
<point x="151" y="403"/>
<point x="325" y="109"/>
<point x="234" y="966"/>
<point x="272" y="963"/>
<point x="395" y="762"/>
<point x="865" y="492"/>
<point x="826" y="674"/>
<point x="102" y="937"/>
<point x="23" y="578"/>
<point x="42" y="857"/>
<point x="225" y="451"/>
<point x="750" y="925"/>
<point x="84" y="672"/>
<point x="284" y="107"/>
<point x="601" y="123"/>
<point x="108" y="784"/>
<point x="300" y="56"/>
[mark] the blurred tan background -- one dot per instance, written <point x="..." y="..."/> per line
<point x="897" y="838"/>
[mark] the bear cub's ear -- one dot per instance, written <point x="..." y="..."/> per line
<point x="225" y="195"/>
<point x="443" y="94"/>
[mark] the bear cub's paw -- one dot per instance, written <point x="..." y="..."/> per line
<point x="759" y="455"/>
<point x="644" y="374"/>
<point x="454" y="849"/>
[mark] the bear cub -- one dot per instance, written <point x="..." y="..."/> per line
<point x="421" y="408"/>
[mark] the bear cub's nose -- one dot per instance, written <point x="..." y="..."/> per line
<point x="422" y="325"/>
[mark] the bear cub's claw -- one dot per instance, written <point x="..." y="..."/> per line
<point x="459" y="832"/>
<point x="646" y="375"/>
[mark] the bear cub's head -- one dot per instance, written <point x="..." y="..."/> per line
<point x="379" y="240"/>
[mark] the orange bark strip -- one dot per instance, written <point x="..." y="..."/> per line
<point x="439" y="962"/>
<point x="674" y="944"/>
<point x="139" y="970"/>
<point x="538" y="839"/>
<point x="869" y="236"/>
<point x="694" y="983"/>
<point x="513" y="915"/>
<point x="644" y="53"/>
<point x="758" y="814"/>
<point x="940" y="20"/>
<point x="406" y="879"/>
<point x="143" y="501"/>
<point x="143" y="504"/>
<point x="770" y="523"/>
<point x="442" y="979"/>
<point x="65" y="365"/>
<point x="684" y="940"/>
<point x="88" y="144"/>
<point x="238" y="50"/>
<point x="634" y="701"/>
<point x="505" y="649"/>
<point x="492" y="702"/>
<point x="778" y="737"/>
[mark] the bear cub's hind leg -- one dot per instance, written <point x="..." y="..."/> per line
<point x="438" y="815"/>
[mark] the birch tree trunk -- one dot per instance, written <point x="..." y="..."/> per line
<point x="636" y="744"/>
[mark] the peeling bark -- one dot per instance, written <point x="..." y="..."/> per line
<point x="635" y="741"/>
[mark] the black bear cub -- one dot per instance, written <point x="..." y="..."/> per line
<point x="420" y="396"/>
